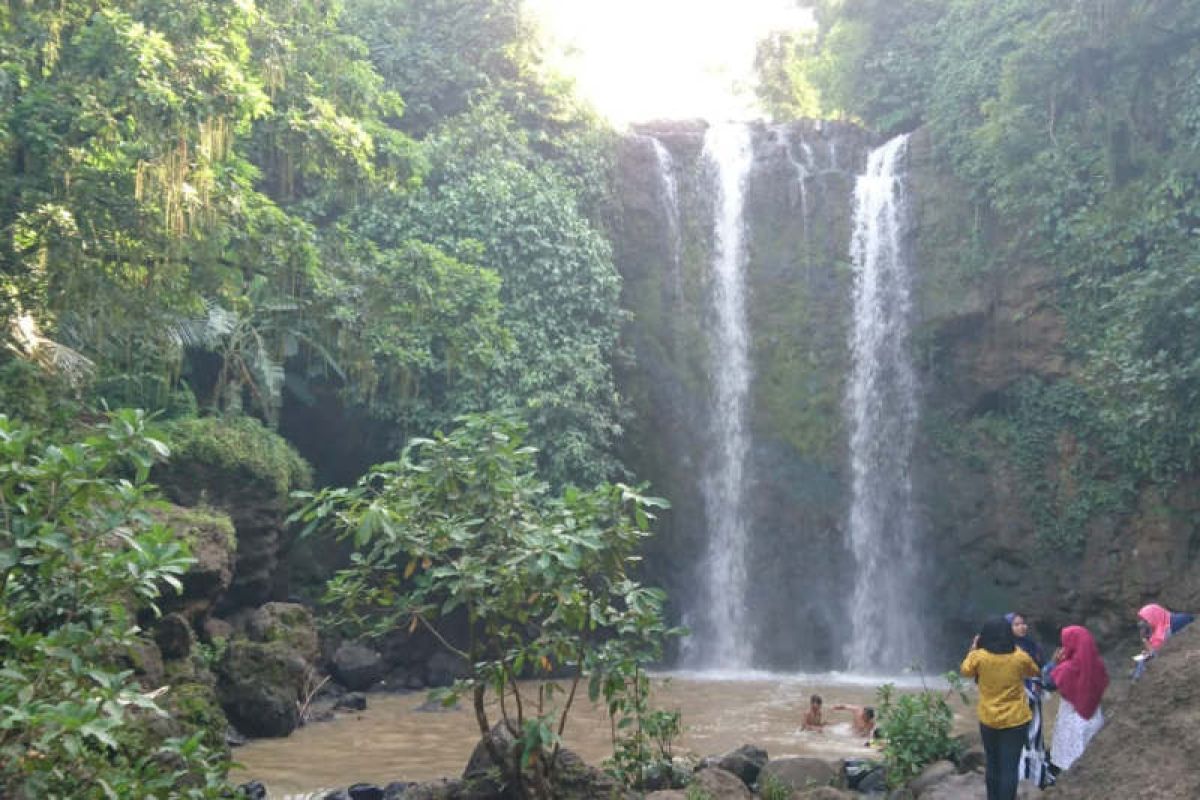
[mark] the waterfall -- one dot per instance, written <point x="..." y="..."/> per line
<point x="669" y="199"/>
<point x="882" y="406"/>
<point x="728" y="153"/>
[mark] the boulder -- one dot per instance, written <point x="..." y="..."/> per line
<point x="401" y="679"/>
<point x="352" y="701"/>
<point x="174" y="636"/>
<point x="356" y="666"/>
<point x="932" y="775"/>
<point x="210" y="536"/>
<point x="259" y="684"/>
<point x="194" y="706"/>
<point x="147" y="663"/>
<point x="874" y="782"/>
<point x="246" y="470"/>
<point x="436" y="790"/>
<point x="481" y="766"/>
<point x="253" y="790"/>
<point x="825" y="793"/>
<point x="973" y="759"/>
<point x="746" y="762"/>
<point x="365" y="791"/>
<point x="801" y="772"/>
<point x="573" y="779"/>
<point x="290" y="623"/>
<point x="397" y="790"/>
<point x="717" y="783"/>
<point x="216" y="629"/>
<point x="406" y="648"/>
<point x="443" y="669"/>
<point x="957" y="787"/>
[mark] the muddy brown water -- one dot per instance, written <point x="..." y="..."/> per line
<point x="395" y="740"/>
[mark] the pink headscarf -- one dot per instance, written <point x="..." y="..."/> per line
<point x="1159" y="620"/>
<point x="1081" y="676"/>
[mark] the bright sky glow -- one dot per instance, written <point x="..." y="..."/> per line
<point x="638" y="60"/>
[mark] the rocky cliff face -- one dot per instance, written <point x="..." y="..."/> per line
<point x="1013" y="526"/>
<point x="985" y="330"/>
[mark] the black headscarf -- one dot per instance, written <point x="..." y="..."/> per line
<point x="997" y="636"/>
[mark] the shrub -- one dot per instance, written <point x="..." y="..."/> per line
<point x="916" y="728"/>
<point x="80" y="554"/>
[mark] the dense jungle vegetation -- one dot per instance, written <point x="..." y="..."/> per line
<point x="215" y="207"/>
<point x="383" y="215"/>
<point x="1075" y="130"/>
<point x="383" y="211"/>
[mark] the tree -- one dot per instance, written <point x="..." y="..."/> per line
<point x="488" y="200"/>
<point x="462" y="525"/>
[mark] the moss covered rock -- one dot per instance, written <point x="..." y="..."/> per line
<point x="240" y="467"/>
<point x="259" y="684"/>
<point x="210" y="536"/>
<point x="289" y="623"/>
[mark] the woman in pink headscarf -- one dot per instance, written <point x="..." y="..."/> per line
<point x="1156" y="624"/>
<point x="1078" y="674"/>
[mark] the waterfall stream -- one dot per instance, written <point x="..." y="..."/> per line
<point x="882" y="409"/>
<point x="728" y="153"/>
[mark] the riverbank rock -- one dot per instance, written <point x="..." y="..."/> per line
<point x="246" y="470"/>
<point x="932" y="775"/>
<point x="259" y="684"/>
<point x="209" y="535"/>
<point x="1148" y="748"/>
<point x="357" y="666"/>
<point x="174" y="636"/>
<point x="573" y="778"/>
<point x="352" y="701"/>
<point x="801" y="772"/>
<point x="746" y="762"/>
<point x="825" y="793"/>
<point x="443" y="669"/>
<point x="717" y="783"/>
<point x="443" y="789"/>
<point x="290" y="623"/>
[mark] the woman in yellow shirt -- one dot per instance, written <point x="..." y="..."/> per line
<point x="1000" y="668"/>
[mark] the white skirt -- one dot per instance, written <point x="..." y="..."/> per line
<point x="1072" y="733"/>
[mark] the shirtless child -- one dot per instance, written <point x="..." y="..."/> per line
<point x="813" y="721"/>
<point x="863" y="722"/>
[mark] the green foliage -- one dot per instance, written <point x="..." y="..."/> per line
<point x="461" y="524"/>
<point x="643" y="737"/>
<point x="1074" y="128"/>
<point x="489" y="201"/>
<point x="1061" y="450"/>
<point x="189" y="180"/>
<point x="240" y="447"/>
<point x="79" y="554"/>
<point x="916" y="728"/>
<point x="416" y="330"/>
<point x="773" y="788"/>
<point x="45" y="399"/>
<point x="121" y="185"/>
<point x="870" y="59"/>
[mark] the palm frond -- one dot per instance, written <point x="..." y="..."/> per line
<point x="25" y="339"/>
<point x="204" y="331"/>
